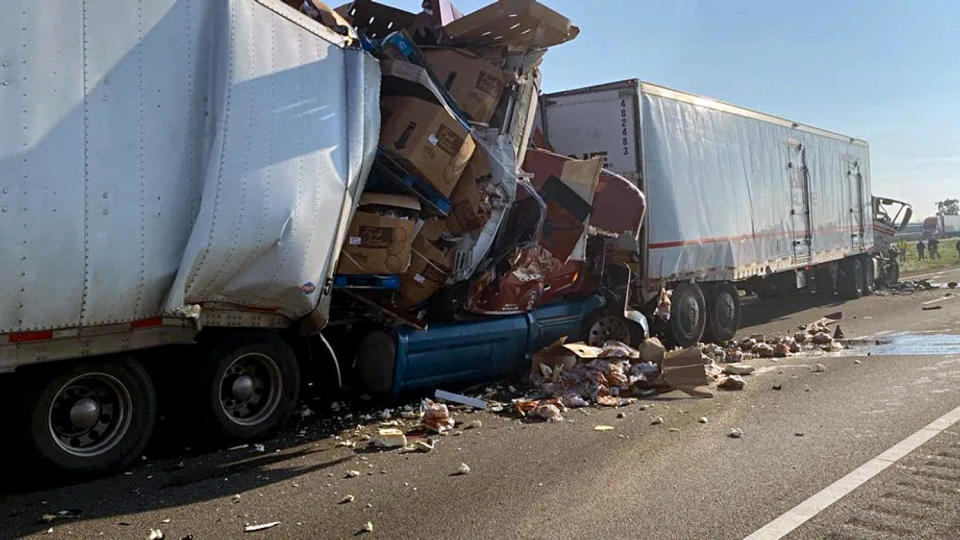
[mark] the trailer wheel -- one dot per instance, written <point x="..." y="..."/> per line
<point x="250" y="385"/>
<point x="688" y="315"/>
<point x="851" y="278"/>
<point x="723" y="313"/>
<point x="89" y="419"/>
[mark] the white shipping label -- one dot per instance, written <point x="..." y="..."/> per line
<point x="419" y="278"/>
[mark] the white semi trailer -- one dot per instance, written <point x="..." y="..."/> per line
<point x="170" y="172"/>
<point x="738" y="199"/>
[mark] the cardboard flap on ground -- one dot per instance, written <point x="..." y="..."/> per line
<point x="474" y="83"/>
<point x="583" y="351"/>
<point x="378" y="243"/>
<point x="683" y="368"/>
<point x="555" y="356"/>
<point x="432" y="143"/>
<point x="518" y="24"/>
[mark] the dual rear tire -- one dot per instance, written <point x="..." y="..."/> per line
<point x="710" y="313"/>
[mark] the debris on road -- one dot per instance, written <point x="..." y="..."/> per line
<point x="603" y="427"/>
<point x="461" y="399"/>
<point x="347" y="499"/>
<point x="367" y="528"/>
<point x="261" y="527"/>
<point x="931" y="308"/>
<point x="738" y="369"/>
<point x="657" y="421"/>
<point x="436" y="416"/>
<point x="463" y="469"/>
<point x="733" y="382"/>
<point x="818" y="368"/>
<point x="703" y="420"/>
<point x="155" y="534"/>
<point x="390" y="438"/>
<point x="550" y="412"/>
<point x="777" y="387"/>
<point x="352" y="474"/>
<point x="735" y="433"/>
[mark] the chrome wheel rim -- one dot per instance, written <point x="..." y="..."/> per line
<point x="90" y="414"/>
<point x="250" y="389"/>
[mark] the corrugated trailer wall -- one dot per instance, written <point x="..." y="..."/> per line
<point x="726" y="190"/>
<point x="156" y="153"/>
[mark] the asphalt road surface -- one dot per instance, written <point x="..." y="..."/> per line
<point x="679" y="479"/>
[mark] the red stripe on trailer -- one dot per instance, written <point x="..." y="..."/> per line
<point x="145" y="323"/>
<point x="39" y="335"/>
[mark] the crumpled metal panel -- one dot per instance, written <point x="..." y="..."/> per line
<point x="170" y="152"/>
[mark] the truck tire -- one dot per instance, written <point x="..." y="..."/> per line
<point x="723" y="313"/>
<point x="851" y="280"/>
<point x="688" y="315"/>
<point x="249" y="385"/>
<point x="88" y="419"/>
<point x="601" y="326"/>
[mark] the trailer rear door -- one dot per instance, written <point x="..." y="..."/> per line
<point x="855" y="195"/>
<point x="800" y="200"/>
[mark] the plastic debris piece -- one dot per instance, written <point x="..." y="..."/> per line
<point x="473" y="424"/>
<point x="703" y="420"/>
<point x="818" y="368"/>
<point x="353" y="474"/>
<point x="738" y="369"/>
<point x="735" y="433"/>
<point x="463" y="469"/>
<point x="548" y="412"/>
<point x="602" y="427"/>
<point x="367" y="527"/>
<point x="436" y="416"/>
<point x="460" y="398"/>
<point x="347" y="499"/>
<point x="657" y="421"/>
<point x="261" y="527"/>
<point x="155" y="534"/>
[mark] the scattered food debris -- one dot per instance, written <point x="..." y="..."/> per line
<point x="436" y="416"/>
<point x="353" y="474"/>
<point x="735" y="433"/>
<point x="390" y="438"/>
<point x="255" y="528"/>
<point x="463" y="469"/>
<point x="347" y="499"/>
<point x="367" y="528"/>
<point x="674" y="430"/>
<point x="733" y="382"/>
<point x="778" y="387"/>
<point x="657" y="421"/>
<point x="603" y="427"/>
<point x="703" y="420"/>
<point x="473" y="424"/>
<point x="155" y="534"/>
<point x="738" y="369"/>
<point x="818" y="368"/>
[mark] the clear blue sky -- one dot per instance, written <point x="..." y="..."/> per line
<point x="884" y="71"/>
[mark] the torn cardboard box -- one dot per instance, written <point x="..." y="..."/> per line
<point x="474" y="83"/>
<point x="518" y="24"/>
<point x="379" y="238"/>
<point x="430" y="266"/>
<point x="470" y="210"/>
<point x="432" y="143"/>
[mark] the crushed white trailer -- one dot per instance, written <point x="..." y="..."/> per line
<point x="168" y="166"/>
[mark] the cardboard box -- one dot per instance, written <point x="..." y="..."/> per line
<point x="430" y="266"/>
<point x="474" y="83"/>
<point x="379" y="238"/>
<point x="433" y="144"/>
<point x="470" y="212"/>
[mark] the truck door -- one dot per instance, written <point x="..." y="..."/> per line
<point x="855" y="196"/>
<point x="800" y="201"/>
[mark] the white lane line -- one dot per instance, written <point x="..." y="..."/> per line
<point x="809" y="508"/>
